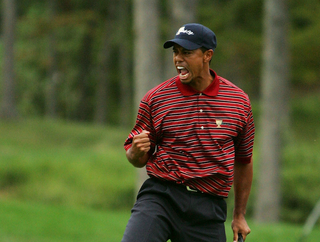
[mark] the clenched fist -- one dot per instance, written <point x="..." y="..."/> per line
<point x="138" y="153"/>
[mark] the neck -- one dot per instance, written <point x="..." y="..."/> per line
<point x="202" y="82"/>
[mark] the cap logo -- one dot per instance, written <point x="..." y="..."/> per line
<point x="182" y="30"/>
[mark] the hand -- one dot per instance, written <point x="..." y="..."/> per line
<point x="141" y="144"/>
<point x="137" y="154"/>
<point x="239" y="225"/>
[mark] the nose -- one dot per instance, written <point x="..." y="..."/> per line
<point x="177" y="57"/>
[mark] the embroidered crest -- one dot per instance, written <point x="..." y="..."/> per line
<point x="219" y="122"/>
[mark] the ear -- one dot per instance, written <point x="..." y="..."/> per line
<point x="207" y="56"/>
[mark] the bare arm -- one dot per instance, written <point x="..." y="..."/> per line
<point x="137" y="155"/>
<point x="243" y="174"/>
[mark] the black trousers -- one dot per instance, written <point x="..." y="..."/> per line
<point x="165" y="210"/>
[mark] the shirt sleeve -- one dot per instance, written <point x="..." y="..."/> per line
<point x="143" y="122"/>
<point x="245" y="140"/>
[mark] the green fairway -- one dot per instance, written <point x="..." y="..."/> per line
<point x="65" y="163"/>
<point x="22" y="222"/>
<point x="31" y="222"/>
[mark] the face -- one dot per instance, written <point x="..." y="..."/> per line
<point x="191" y="65"/>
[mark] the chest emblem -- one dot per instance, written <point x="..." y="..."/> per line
<point x="219" y="122"/>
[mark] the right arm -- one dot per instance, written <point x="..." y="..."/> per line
<point x="137" y="154"/>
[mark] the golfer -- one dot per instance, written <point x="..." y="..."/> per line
<point x="194" y="134"/>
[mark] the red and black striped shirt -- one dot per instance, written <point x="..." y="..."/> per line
<point x="196" y="136"/>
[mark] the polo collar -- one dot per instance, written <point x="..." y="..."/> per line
<point x="212" y="90"/>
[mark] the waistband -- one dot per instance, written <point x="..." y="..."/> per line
<point x="185" y="188"/>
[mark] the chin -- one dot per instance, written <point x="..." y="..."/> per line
<point x="185" y="81"/>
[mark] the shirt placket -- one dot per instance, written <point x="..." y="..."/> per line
<point x="200" y="112"/>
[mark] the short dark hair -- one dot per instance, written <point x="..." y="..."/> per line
<point x="203" y="49"/>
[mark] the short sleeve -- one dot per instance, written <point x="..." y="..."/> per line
<point x="245" y="140"/>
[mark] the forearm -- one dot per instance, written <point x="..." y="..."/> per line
<point x="243" y="174"/>
<point x="140" y="161"/>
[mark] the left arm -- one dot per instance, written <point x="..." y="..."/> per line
<point x="243" y="174"/>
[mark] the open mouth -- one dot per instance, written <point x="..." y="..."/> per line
<point x="183" y="72"/>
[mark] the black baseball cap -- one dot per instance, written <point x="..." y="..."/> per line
<point x="193" y="36"/>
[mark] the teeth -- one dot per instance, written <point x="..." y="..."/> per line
<point x="180" y="67"/>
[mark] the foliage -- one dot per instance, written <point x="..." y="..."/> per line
<point x="59" y="163"/>
<point x="79" y="27"/>
<point x="302" y="160"/>
<point x="305" y="33"/>
<point x="33" y="60"/>
<point x="238" y="25"/>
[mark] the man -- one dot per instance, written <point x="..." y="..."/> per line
<point x="194" y="133"/>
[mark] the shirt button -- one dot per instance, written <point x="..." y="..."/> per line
<point x="201" y="110"/>
<point x="200" y="94"/>
<point x="202" y="127"/>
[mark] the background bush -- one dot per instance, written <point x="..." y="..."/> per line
<point x="61" y="163"/>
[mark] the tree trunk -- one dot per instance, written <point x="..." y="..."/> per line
<point x="180" y="12"/>
<point x="274" y="116"/>
<point x="8" y="105"/>
<point x="83" y="110"/>
<point x="146" y="56"/>
<point x="102" y="107"/>
<point x="124" y="64"/>
<point x="52" y="84"/>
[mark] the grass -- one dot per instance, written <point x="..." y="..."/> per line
<point x="33" y="222"/>
<point x="63" y="163"/>
<point x="24" y="222"/>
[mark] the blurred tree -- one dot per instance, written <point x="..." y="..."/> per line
<point x="274" y="117"/>
<point x="85" y="57"/>
<point x="125" y="60"/>
<point x="8" y="104"/>
<point x="305" y="46"/>
<point x="102" y="104"/>
<point x="146" y="55"/>
<point x="237" y="25"/>
<point x="53" y="72"/>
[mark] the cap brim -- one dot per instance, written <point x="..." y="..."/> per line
<point x="182" y="42"/>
